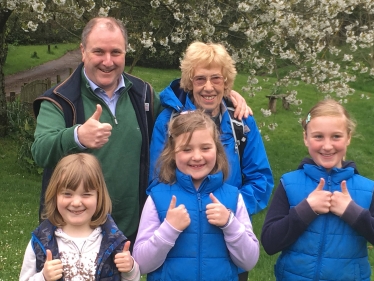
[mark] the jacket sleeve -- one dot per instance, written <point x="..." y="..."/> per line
<point x="159" y="137"/>
<point x="154" y="239"/>
<point x="283" y="226"/>
<point x="258" y="180"/>
<point x="28" y="270"/>
<point x="360" y="219"/>
<point x="240" y="240"/>
<point x="52" y="139"/>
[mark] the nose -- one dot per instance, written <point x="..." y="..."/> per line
<point x="208" y="86"/>
<point x="196" y="155"/>
<point x="327" y="145"/>
<point x="107" y="60"/>
<point x="76" y="202"/>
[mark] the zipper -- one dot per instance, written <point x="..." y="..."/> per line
<point x="323" y="241"/>
<point x="199" y="229"/>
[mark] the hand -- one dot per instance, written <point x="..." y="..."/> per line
<point x="216" y="213"/>
<point x="340" y="200"/>
<point x="124" y="261"/>
<point x="241" y="108"/>
<point x="178" y="217"/>
<point x="93" y="134"/>
<point x="52" y="268"/>
<point x="320" y="200"/>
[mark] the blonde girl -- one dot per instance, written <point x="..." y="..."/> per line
<point x="78" y="238"/>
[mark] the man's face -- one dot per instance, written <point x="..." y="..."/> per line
<point x="104" y="57"/>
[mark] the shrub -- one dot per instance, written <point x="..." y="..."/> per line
<point x="22" y="127"/>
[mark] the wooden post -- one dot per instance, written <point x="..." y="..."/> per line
<point x="70" y="70"/>
<point x="58" y="78"/>
<point x="12" y="96"/>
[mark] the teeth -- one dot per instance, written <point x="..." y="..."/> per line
<point x="209" y="98"/>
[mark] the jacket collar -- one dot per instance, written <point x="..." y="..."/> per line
<point x="209" y="184"/>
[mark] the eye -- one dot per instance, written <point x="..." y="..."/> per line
<point x="66" y="194"/>
<point x="216" y="79"/>
<point x="116" y="53"/>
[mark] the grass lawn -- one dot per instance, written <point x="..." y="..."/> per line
<point x="20" y="190"/>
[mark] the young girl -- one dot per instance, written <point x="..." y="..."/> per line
<point x="322" y="214"/>
<point x="78" y="240"/>
<point x="204" y="233"/>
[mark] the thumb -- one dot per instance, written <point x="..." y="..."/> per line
<point x="321" y="184"/>
<point x="97" y="113"/>
<point x="173" y="202"/>
<point x="49" y="255"/>
<point x="213" y="198"/>
<point x="127" y="246"/>
<point x="344" y="188"/>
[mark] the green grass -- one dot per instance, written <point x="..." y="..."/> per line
<point x="20" y="191"/>
<point x="21" y="57"/>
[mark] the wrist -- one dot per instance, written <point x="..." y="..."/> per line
<point x="229" y="220"/>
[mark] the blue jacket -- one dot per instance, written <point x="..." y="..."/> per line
<point x="329" y="249"/>
<point x="252" y="174"/>
<point x="200" y="252"/>
<point x="113" y="240"/>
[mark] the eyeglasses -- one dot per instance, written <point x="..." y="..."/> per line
<point x="201" y="80"/>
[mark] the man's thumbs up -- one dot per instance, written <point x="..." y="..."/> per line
<point x="93" y="134"/>
<point x="97" y="113"/>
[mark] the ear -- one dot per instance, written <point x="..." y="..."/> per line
<point x="305" y="138"/>
<point x="82" y="51"/>
<point x="349" y="139"/>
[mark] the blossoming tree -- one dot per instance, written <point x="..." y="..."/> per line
<point x="307" y="35"/>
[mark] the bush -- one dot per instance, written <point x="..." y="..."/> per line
<point x="22" y="127"/>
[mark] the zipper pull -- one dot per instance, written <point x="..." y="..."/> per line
<point x="115" y="120"/>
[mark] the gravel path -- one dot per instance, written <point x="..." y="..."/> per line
<point x="50" y="69"/>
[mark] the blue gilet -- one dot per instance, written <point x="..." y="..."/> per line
<point x="43" y="238"/>
<point x="329" y="249"/>
<point x="200" y="251"/>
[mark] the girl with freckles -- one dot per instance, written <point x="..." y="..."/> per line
<point x="322" y="215"/>
<point x="193" y="225"/>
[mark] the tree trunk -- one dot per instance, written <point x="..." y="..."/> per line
<point x="4" y="16"/>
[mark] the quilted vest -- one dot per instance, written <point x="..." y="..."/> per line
<point x="200" y="252"/>
<point x="329" y="249"/>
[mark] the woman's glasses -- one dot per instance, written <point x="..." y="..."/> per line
<point x="201" y="80"/>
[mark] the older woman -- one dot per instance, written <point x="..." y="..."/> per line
<point x="208" y="74"/>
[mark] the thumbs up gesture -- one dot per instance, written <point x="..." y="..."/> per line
<point x="177" y="217"/>
<point x="52" y="269"/>
<point x="320" y="200"/>
<point x="93" y="134"/>
<point x="124" y="260"/>
<point x="340" y="200"/>
<point x="216" y="213"/>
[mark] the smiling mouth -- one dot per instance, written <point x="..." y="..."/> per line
<point x="77" y="212"/>
<point x="197" y="166"/>
<point x="208" y="97"/>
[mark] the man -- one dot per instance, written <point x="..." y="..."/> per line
<point x="101" y="110"/>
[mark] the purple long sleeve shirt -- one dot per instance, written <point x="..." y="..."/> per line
<point x="155" y="239"/>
